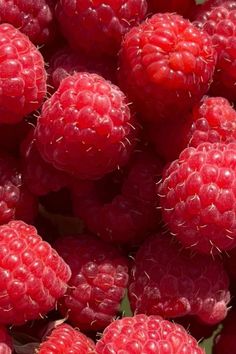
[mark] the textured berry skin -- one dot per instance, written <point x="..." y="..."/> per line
<point x="86" y="127"/>
<point x="170" y="282"/>
<point x="33" y="276"/>
<point x="218" y="19"/>
<point x="67" y="62"/>
<point x="166" y="65"/>
<point x="15" y="199"/>
<point x="98" y="282"/>
<point x="214" y="120"/>
<point x="198" y="197"/>
<point x="131" y="213"/>
<point x="6" y="346"/>
<point x="33" y="18"/>
<point x="66" y="340"/>
<point x="146" y="335"/>
<point x="225" y="341"/>
<point x="39" y="176"/>
<point x="22" y="75"/>
<point x="182" y="7"/>
<point x="98" y="27"/>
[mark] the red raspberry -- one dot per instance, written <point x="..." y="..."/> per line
<point x="170" y="282"/>
<point x="98" y="283"/>
<point x="225" y="342"/>
<point x="182" y="7"/>
<point x="33" y="276"/>
<point x="198" y="197"/>
<point x="66" y="340"/>
<point x="6" y="346"/>
<point x="15" y="200"/>
<point x="66" y="62"/>
<point x="146" y="335"/>
<point x="22" y="75"/>
<point x="98" y="27"/>
<point x="166" y="65"/>
<point x="130" y="214"/>
<point x="33" y="18"/>
<point x="218" y="19"/>
<point x="39" y="176"/>
<point x="86" y="127"/>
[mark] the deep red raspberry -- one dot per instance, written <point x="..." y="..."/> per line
<point x="214" y="120"/>
<point x="98" y="26"/>
<point x="166" y="65"/>
<point x="33" y="18"/>
<point x="198" y="197"/>
<point x="170" y="282"/>
<point x="6" y="346"/>
<point x="225" y="341"/>
<point x="130" y="214"/>
<point x="146" y="334"/>
<point x="22" y="75"/>
<point x="86" y="127"/>
<point x="67" y="62"/>
<point x="98" y="282"/>
<point x="39" y="176"/>
<point x="15" y="200"/>
<point x="66" y="340"/>
<point x="32" y="275"/>
<point x="182" y="7"/>
<point x="218" y="19"/>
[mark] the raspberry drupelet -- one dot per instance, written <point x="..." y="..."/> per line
<point x="198" y="197"/>
<point x="171" y="282"/>
<point x="22" y="75"/>
<point x="98" y="283"/>
<point x="86" y="128"/>
<point x="146" y="334"/>
<point x="166" y="65"/>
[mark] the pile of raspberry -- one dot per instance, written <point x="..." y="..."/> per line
<point x="117" y="177"/>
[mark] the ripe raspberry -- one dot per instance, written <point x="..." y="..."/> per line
<point x="130" y="214"/>
<point x="170" y="282"/>
<point x="214" y="120"/>
<point x="98" y="282"/>
<point x="98" y="27"/>
<point x="22" y="75"/>
<point x="146" y="334"/>
<point x="66" y="340"/>
<point x="166" y="65"/>
<point x="33" y="18"/>
<point x="15" y="200"/>
<point x="218" y="19"/>
<point x="39" y="176"/>
<point x="198" y="197"/>
<point x="86" y="127"/>
<point x="66" y="62"/>
<point x="225" y="341"/>
<point x="6" y="346"/>
<point x="182" y="7"/>
<point x="33" y="276"/>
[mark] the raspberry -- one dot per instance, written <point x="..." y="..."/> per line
<point x="6" y="346"/>
<point x="197" y="197"/>
<point x="86" y="127"/>
<point x="66" y="340"/>
<point x="98" y="282"/>
<point x="170" y="282"/>
<point x="22" y="75"/>
<point x="98" y="27"/>
<point x="182" y="7"/>
<point x="146" y="334"/>
<point x="214" y="120"/>
<point x="66" y="62"/>
<point x="15" y="200"/>
<point x="166" y="65"/>
<point x="130" y="214"/>
<point x="225" y="341"/>
<point x="39" y="176"/>
<point x="218" y="19"/>
<point x="33" y="276"/>
<point x="34" y="18"/>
